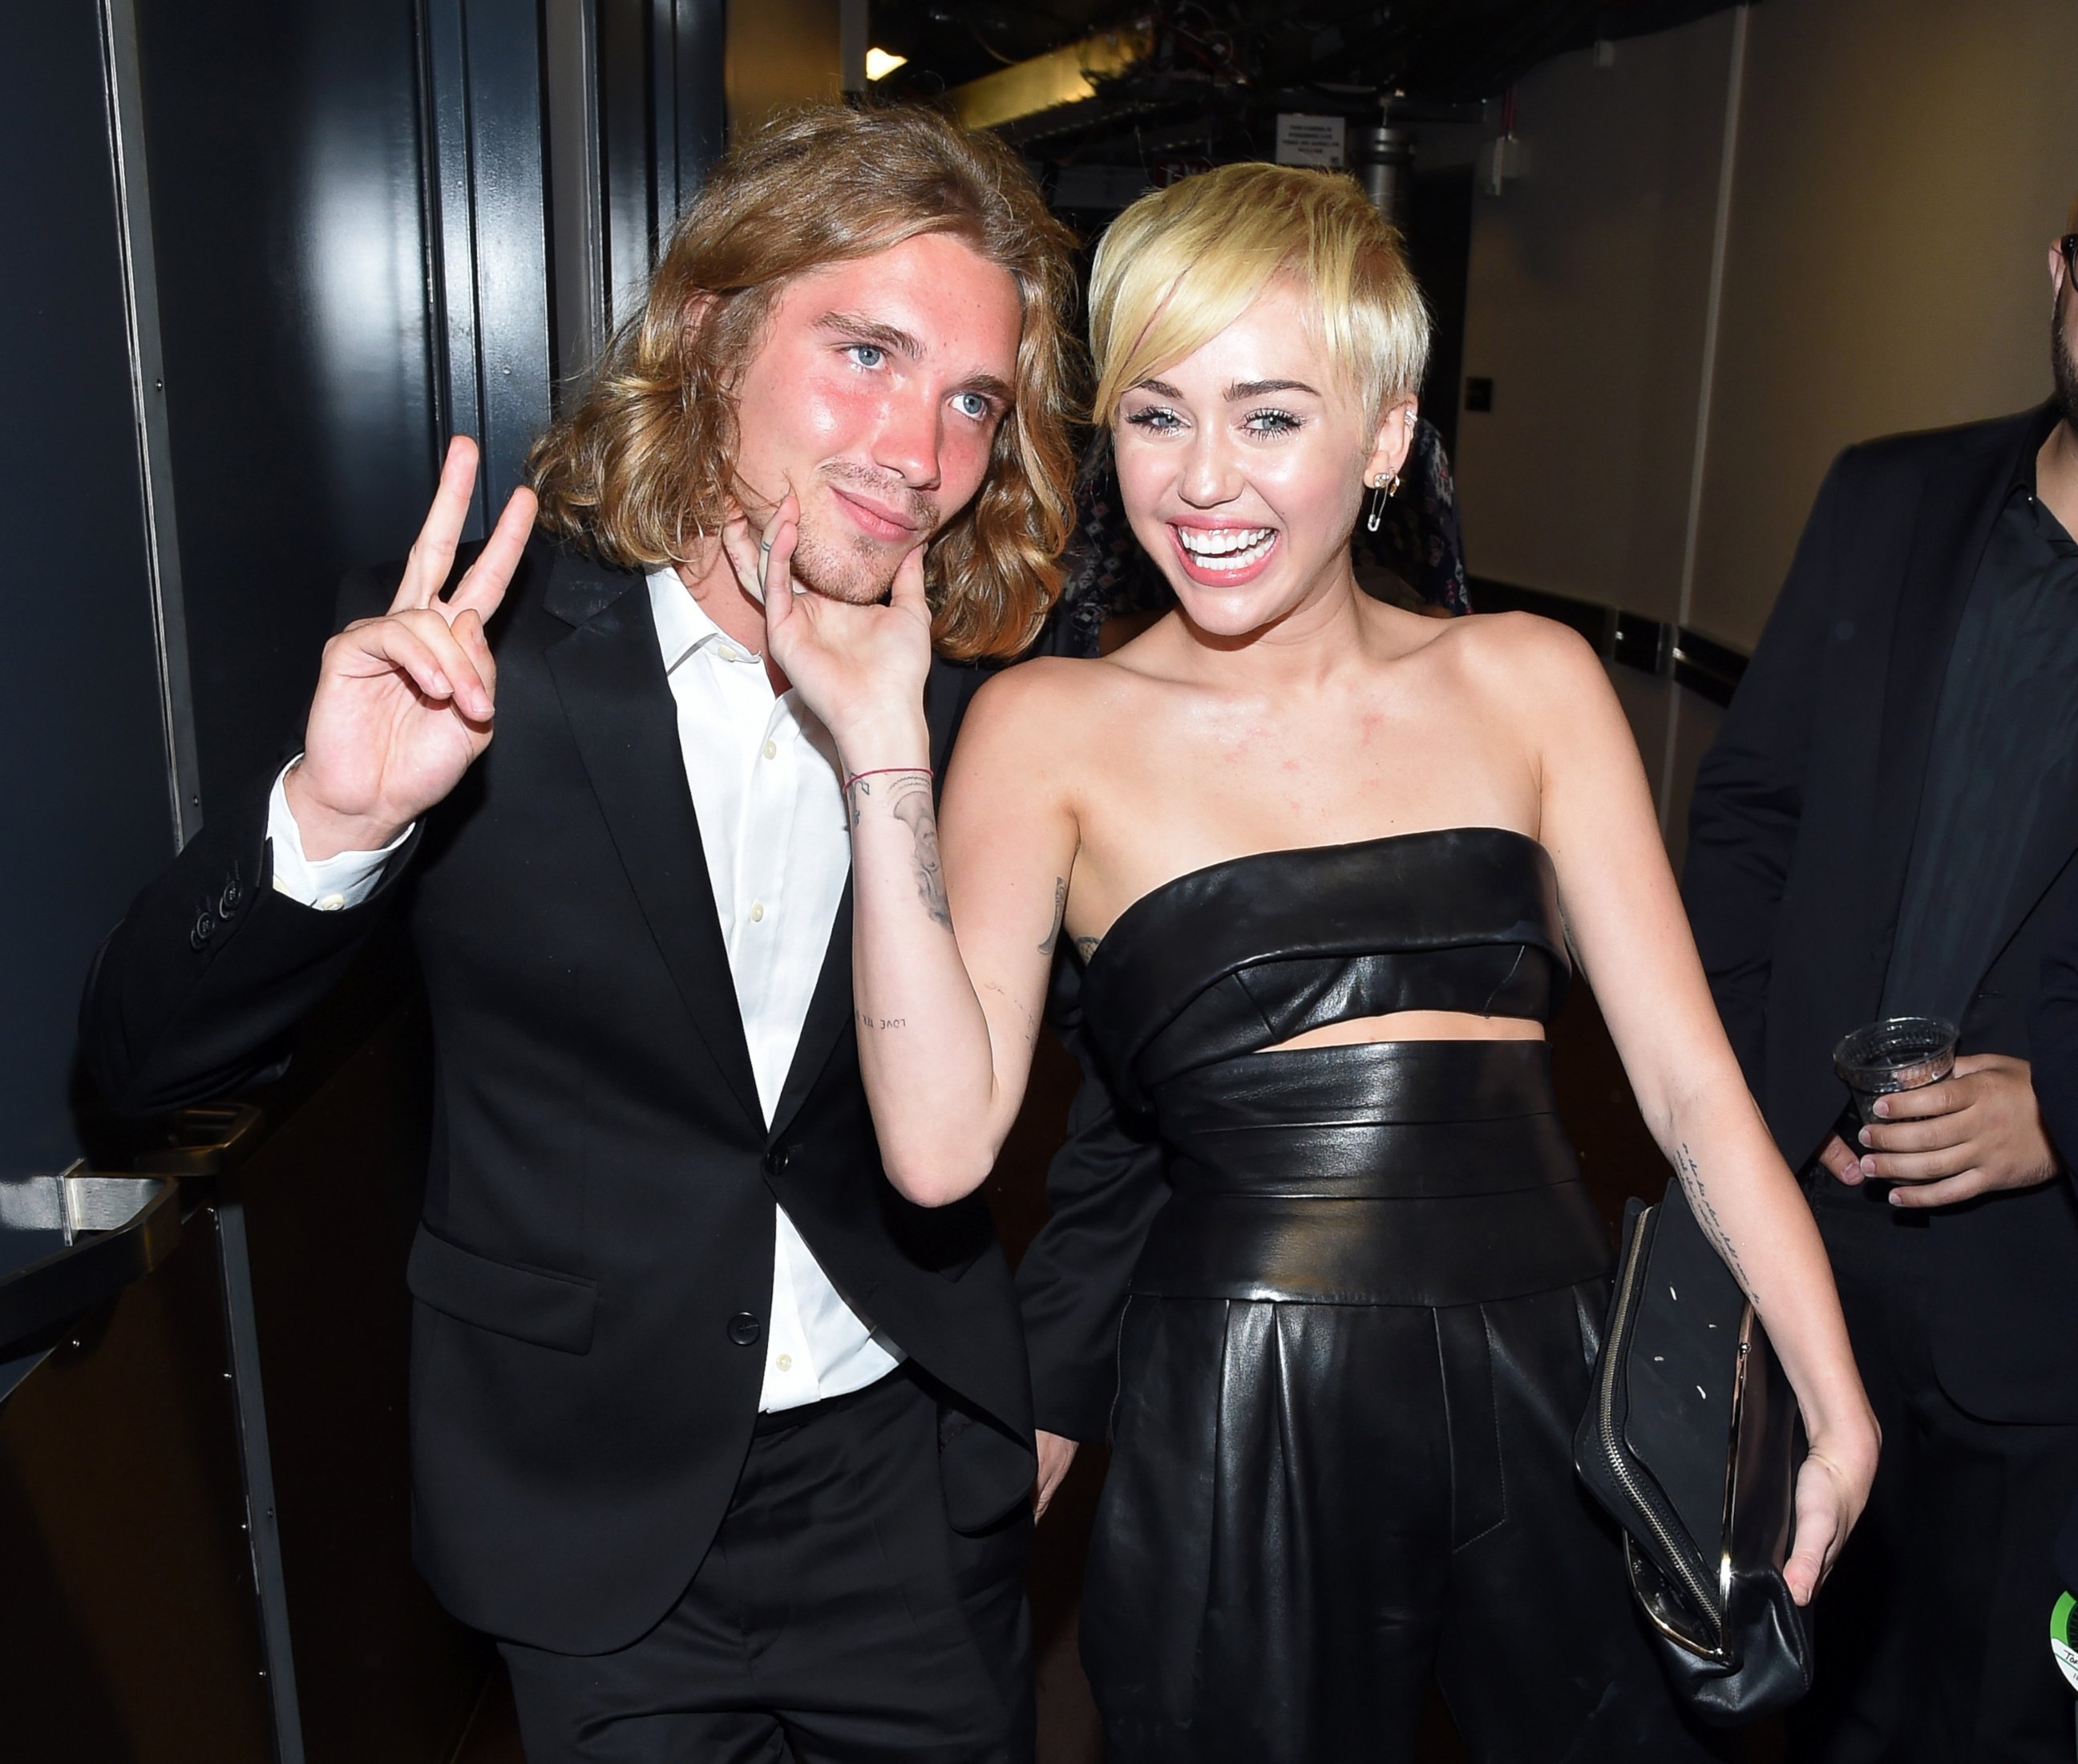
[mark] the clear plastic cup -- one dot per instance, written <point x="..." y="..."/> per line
<point x="1898" y="1053"/>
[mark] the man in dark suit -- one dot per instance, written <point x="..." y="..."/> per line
<point x="726" y="1444"/>
<point x="1885" y="825"/>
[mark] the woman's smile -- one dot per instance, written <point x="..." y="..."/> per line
<point x="1221" y="556"/>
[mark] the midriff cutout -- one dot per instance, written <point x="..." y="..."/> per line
<point x="1415" y="1026"/>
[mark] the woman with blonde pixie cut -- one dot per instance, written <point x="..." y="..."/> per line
<point x="1326" y="862"/>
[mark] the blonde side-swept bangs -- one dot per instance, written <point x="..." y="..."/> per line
<point x="1182" y="264"/>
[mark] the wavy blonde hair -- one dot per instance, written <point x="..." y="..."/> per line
<point x="645" y="462"/>
<point x="1182" y="264"/>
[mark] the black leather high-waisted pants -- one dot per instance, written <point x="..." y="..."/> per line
<point x="1358" y="1343"/>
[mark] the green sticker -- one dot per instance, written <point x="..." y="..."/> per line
<point x="2062" y="1642"/>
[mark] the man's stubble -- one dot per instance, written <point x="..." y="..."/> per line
<point x="859" y="574"/>
<point x="848" y="566"/>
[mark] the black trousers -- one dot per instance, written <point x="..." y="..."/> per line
<point x="1313" y="1508"/>
<point x="836" y="1619"/>
<point x="1933" y="1633"/>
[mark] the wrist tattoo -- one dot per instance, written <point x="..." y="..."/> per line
<point x="1060" y="908"/>
<point x="912" y="806"/>
<point x="1706" y="1216"/>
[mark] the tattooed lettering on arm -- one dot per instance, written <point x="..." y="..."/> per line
<point x="1706" y="1216"/>
<point x="912" y="807"/>
<point x="867" y="1021"/>
<point x="1060" y="907"/>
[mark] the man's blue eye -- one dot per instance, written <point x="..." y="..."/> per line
<point x="860" y="353"/>
<point x="973" y="404"/>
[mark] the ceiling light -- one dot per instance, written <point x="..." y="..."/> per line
<point x="879" y="64"/>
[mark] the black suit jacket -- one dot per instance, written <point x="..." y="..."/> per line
<point x="600" y="1199"/>
<point x="1799" y="837"/>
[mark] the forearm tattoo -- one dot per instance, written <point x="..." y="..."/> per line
<point x="912" y="807"/>
<point x="1706" y="1216"/>
<point x="1060" y="909"/>
<point x="1031" y="1021"/>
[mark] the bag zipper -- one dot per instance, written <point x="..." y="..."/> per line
<point x="1618" y="1344"/>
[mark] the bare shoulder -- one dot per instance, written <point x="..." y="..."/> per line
<point x="1520" y="644"/>
<point x="1543" y="680"/>
<point x="1040" y="712"/>
<point x="1037" y="691"/>
<point x="1519" y="663"/>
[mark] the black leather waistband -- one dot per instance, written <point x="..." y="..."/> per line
<point x="1367" y="1080"/>
<point x="1404" y="1172"/>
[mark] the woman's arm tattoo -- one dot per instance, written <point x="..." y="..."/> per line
<point x="1031" y="1021"/>
<point x="1060" y="908"/>
<point x="1086" y="947"/>
<point x="912" y="806"/>
<point x="1706" y="1216"/>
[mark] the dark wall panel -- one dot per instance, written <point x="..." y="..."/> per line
<point x="287" y="172"/>
<point x="82" y="753"/>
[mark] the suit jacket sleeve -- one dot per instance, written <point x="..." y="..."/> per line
<point x="1749" y="799"/>
<point x="1103" y="1188"/>
<point x="194" y="994"/>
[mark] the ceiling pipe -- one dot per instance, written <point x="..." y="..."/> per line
<point x="1384" y="158"/>
<point x="1067" y="75"/>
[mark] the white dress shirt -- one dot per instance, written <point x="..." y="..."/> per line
<point x="770" y="805"/>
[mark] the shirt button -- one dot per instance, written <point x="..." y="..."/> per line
<point x="331" y="903"/>
<point x="756" y="911"/>
<point x="772" y="749"/>
<point x="786" y="1362"/>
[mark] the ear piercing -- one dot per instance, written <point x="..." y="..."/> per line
<point x="1382" y="486"/>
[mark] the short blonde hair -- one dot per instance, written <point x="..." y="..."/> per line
<point x="1182" y="264"/>
<point x="645" y="460"/>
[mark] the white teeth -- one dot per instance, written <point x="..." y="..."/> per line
<point x="1226" y="548"/>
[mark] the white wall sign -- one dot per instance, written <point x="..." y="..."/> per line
<point x="1309" y="141"/>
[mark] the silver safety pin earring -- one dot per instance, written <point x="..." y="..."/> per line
<point x="1381" y="487"/>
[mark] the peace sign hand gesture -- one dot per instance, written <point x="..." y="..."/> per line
<point x="404" y="702"/>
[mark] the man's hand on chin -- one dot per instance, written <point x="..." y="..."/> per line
<point x="1977" y="1130"/>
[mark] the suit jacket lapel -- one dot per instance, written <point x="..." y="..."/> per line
<point x="946" y="694"/>
<point x="2054" y="837"/>
<point x="1953" y="526"/>
<point x="609" y="674"/>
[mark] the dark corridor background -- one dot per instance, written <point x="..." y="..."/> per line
<point x="279" y="250"/>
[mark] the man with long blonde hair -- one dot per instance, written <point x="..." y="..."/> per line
<point x="727" y="1443"/>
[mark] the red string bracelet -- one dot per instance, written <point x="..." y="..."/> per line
<point x="879" y="772"/>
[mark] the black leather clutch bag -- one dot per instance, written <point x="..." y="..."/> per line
<point x="1691" y="1441"/>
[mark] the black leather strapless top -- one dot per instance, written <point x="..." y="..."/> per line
<point x="1431" y="1172"/>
